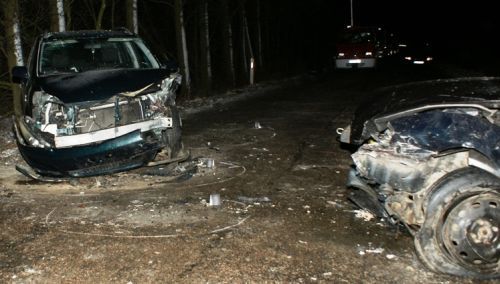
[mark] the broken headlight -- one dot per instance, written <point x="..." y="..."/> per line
<point x="51" y="114"/>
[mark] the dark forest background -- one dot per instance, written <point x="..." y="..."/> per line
<point x="285" y="37"/>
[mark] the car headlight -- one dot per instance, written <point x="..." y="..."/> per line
<point x="407" y="57"/>
<point x="429" y="58"/>
<point x="368" y="53"/>
<point x="340" y="54"/>
<point x="49" y="112"/>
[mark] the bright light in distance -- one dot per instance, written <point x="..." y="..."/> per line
<point x="341" y="54"/>
<point x="429" y="58"/>
<point x="408" y="58"/>
<point x="368" y="53"/>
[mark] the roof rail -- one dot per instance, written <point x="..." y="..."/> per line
<point x="122" y="29"/>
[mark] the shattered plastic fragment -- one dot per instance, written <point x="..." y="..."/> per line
<point x="215" y="200"/>
<point x="363" y="214"/>
<point x="253" y="199"/>
<point x="206" y="163"/>
<point x="376" y="250"/>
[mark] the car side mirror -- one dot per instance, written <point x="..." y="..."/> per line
<point x="19" y="74"/>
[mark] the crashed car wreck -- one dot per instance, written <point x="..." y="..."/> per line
<point x="95" y="102"/>
<point x="428" y="157"/>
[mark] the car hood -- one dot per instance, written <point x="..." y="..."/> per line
<point x="403" y="100"/>
<point x="99" y="84"/>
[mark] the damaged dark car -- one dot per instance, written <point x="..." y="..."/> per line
<point x="428" y="157"/>
<point x="95" y="102"/>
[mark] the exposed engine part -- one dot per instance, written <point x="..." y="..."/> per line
<point x="59" y="125"/>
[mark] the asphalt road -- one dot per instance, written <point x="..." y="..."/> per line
<point x="280" y="174"/>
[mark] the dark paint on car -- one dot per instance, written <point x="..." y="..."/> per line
<point x="428" y="157"/>
<point x="95" y="102"/>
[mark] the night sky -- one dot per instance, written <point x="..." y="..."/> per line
<point x="459" y="31"/>
<point x="446" y="23"/>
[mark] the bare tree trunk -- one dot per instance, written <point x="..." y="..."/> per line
<point x="250" y="49"/>
<point x="205" y="46"/>
<point x="60" y="16"/>
<point x="132" y="22"/>
<point x="54" y="17"/>
<point x="113" y="6"/>
<point x="98" y="23"/>
<point x="259" y="37"/>
<point x="14" y="47"/>
<point x="182" y="51"/>
<point x="243" y="36"/>
<point x="227" y="43"/>
<point x="67" y="13"/>
<point x="231" y="54"/>
<point x="57" y="20"/>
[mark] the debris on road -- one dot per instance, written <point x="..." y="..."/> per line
<point x="362" y="251"/>
<point x="215" y="200"/>
<point x="390" y="256"/>
<point x="207" y="163"/>
<point x="251" y="200"/>
<point x="363" y="214"/>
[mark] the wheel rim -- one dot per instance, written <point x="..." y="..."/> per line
<point x="470" y="232"/>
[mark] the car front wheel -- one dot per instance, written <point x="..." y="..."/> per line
<point x="460" y="235"/>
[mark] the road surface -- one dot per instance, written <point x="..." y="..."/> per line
<point x="284" y="214"/>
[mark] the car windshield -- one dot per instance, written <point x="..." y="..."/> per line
<point x="79" y="55"/>
<point x="358" y="37"/>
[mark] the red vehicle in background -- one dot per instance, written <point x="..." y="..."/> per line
<point x="359" y="47"/>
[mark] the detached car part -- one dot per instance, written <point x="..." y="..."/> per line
<point x="95" y="102"/>
<point x="428" y="157"/>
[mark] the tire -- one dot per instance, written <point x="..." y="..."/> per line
<point x="460" y="235"/>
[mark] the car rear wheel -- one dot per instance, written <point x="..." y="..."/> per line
<point x="460" y="235"/>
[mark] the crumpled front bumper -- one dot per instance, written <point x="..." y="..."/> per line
<point x="125" y="152"/>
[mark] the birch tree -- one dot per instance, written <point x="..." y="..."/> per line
<point x="57" y="20"/>
<point x="182" y="50"/>
<point x="60" y="15"/>
<point x="132" y="20"/>
<point x="13" y="47"/>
